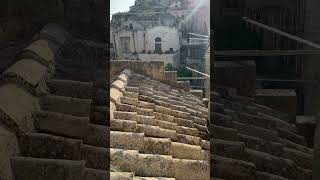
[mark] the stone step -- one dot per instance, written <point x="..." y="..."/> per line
<point x="155" y="131"/>
<point x="190" y="169"/>
<point x="279" y="123"/>
<point x="95" y="157"/>
<point x="198" y="120"/>
<point x="129" y="101"/>
<point x="39" y="145"/>
<point x="123" y="125"/>
<point x="127" y="140"/>
<point x="296" y="146"/>
<point x="222" y="119"/>
<point x="100" y="115"/>
<point x="152" y="178"/>
<point x="187" y="139"/>
<point x="268" y="176"/>
<point x="61" y="124"/>
<point x="160" y="146"/>
<point x="144" y="111"/>
<point x="224" y="133"/>
<point x="230" y="149"/>
<point x="272" y="164"/>
<point x="233" y="169"/>
<point x="187" y="151"/>
<point x="97" y="135"/>
<point x="101" y="97"/>
<point x="256" y="121"/>
<point x="304" y="174"/>
<point x="187" y="131"/>
<point x="164" y="117"/>
<point x="255" y="131"/>
<point x="126" y="108"/>
<point x="130" y="94"/>
<point x="147" y="105"/>
<point x="285" y="134"/>
<point x="146" y="99"/>
<point x="259" y="144"/>
<point x="147" y="120"/>
<point x="94" y="174"/>
<point x="205" y="144"/>
<point x="147" y="165"/>
<point x="303" y="160"/>
<point x="184" y="122"/>
<point x="26" y="168"/>
<point x="69" y="88"/>
<point x="150" y="165"/>
<point x="66" y="105"/>
<point x="121" y="176"/>
<point x="125" y="115"/>
<point x="132" y="89"/>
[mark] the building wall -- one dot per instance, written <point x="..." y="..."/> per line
<point x="169" y="38"/>
<point x="166" y="58"/>
<point x="144" y="41"/>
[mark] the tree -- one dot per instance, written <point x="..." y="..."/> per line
<point x="169" y="67"/>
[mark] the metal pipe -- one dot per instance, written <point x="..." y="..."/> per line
<point x="198" y="72"/>
<point x="246" y="53"/>
<point x="200" y="35"/>
<point x="309" y="43"/>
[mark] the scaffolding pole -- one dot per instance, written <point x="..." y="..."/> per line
<point x="248" y="53"/>
<point x="298" y="39"/>
<point x="198" y="72"/>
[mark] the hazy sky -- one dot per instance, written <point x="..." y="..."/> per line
<point x="120" y="5"/>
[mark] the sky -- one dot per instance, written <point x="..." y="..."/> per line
<point x="120" y="5"/>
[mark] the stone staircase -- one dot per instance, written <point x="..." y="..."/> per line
<point x="156" y="132"/>
<point x="57" y="124"/>
<point x="253" y="142"/>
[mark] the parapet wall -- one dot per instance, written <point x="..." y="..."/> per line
<point x="152" y="69"/>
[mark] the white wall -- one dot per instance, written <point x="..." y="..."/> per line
<point x="169" y="38"/>
<point x="166" y="58"/>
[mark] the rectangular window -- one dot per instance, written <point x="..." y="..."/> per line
<point x="125" y="44"/>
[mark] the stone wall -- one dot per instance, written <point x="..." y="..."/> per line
<point x="166" y="58"/>
<point x="240" y="75"/>
<point x="283" y="100"/>
<point x="153" y="69"/>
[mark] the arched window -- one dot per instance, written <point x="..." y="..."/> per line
<point x="157" y="45"/>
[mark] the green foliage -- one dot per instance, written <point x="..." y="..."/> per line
<point x="169" y="67"/>
<point x="183" y="72"/>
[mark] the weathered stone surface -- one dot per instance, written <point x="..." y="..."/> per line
<point x="22" y="70"/>
<point x="121" y="176"/>
<point x="240" y="170"/>
<point x="66" y="105"/>
<point x="123" y="125"/>
<point x="95" y="157"/>
<point x="20" y="112"/>
<point x="61" y="124"/>
<point x="97" y="135"/>
<point x="25" y="168"/>
<point x="9" y="147"/>
<point x="190" y="169"/>
<point x="93" y="174"/>
<point x="115" y="95"/>
<point x="44" y="49"/>
<point x="127" y="140"/>
<point x="70" y="88"/>
<point x="51" y="147"/>
<point x="161" y="146"/>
